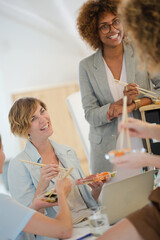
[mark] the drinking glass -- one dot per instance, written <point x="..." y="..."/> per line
<point x="98" y="222"/>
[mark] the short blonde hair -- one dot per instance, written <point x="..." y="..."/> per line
<point x="21" y="113"/>
<point x="141" y="19"/>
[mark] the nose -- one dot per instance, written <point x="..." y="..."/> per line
<point x="112" y="29"/>
<point x="41" y="119"/>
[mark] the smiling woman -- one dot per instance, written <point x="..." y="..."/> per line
<point x="29" y="118"/>
<point x="20" y="115"/>
<point x="99" y="25"/>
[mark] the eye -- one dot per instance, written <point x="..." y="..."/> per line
<point x="116" y="22"/>
<point x="32" y="119"/>
<point x="42" y="110"/>
<point x="104" y="27"/>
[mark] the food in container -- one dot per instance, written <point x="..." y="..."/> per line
<point x="49" y="196"/>
<point x="95" y="178"/>
<point x="118" y="153"/>
<point x="156" y="101"/>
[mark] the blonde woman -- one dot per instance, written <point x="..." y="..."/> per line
<point x="29" y="118"/>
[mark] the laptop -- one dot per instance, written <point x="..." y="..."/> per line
<point x="119" y="199"/>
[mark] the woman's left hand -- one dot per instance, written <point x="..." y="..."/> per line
<point x="96" y="186"/>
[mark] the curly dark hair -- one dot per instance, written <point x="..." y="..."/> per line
<point x="141" y="18"/>
<point x="87" y="21"/>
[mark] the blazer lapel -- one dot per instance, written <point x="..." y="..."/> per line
<point x="101" y="76"/>
<point x="130" y="63"/>
<point x="64" y="157"/>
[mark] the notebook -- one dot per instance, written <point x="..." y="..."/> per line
<point x="119" y="199"/>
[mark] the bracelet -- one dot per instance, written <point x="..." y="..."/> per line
<point x="137" y="103"/>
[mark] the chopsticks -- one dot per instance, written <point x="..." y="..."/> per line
<point x="141" y="90"/>
<point x="33" y="163"/>
<point x="124" y="120"/>
<point x="67" y="173"/>
<point x="42" y="165"/>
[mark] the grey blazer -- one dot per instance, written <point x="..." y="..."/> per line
<point x="96" y="99"/>
<point x="23" y="178"/>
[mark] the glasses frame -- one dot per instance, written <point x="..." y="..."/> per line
<point x="109" y="25"/>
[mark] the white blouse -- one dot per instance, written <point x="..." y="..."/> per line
<point x="136" y="143"/>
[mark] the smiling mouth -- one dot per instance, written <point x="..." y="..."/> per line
<point x="45" y="127"/>
<point x="113" y="36"/>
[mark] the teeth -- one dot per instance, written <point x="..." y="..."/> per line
<point x="45" y="127"/>
<point x="114" y="36"/>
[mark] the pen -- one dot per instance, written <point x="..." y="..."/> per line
<point x="85" y="236"/>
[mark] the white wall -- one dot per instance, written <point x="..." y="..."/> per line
<point x="39" y="47"/>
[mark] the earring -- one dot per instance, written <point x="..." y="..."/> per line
<point x="29" y="137"/>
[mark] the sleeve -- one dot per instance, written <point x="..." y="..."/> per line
<point x="156" y="84"/>
<point x="95" y="114"/>
<point x="13" y="218"/>
<point x="20" y="182"/>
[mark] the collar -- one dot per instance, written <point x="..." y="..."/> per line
<point x="128" y="50"/>
<point x="98" y="59"/>
<point x="32" y="152"/>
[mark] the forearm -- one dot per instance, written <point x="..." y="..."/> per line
<point x="49" y="227"/>
<point x="39" y="190"/>
<point x="154" y="131"/>
<point x="152" y="160"/>
<point x="64" y="210"/>
<point x="143" y="102"/>
<point x="60" y="227"/>
<point x="37" y="208"/>
<point x="123" y="230"/>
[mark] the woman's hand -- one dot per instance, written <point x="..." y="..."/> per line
<point x="47" y="173"/>
<point x="63" y="186"/>
<point x="133" y="160"/>
<point x="39" y="204"/>
<point x="96" y="186"/>
<point x="131" y="92"/>
<point x="137" y="128"/>
<point x="115" y="110"/>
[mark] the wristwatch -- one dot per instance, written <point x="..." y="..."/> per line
<point x="137" y="103"/>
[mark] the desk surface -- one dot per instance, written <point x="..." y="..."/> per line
<point x="79" y="232"/>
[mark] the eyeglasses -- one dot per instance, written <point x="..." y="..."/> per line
<point x="106" y="28"/>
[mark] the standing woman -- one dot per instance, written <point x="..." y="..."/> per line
<point x="142" y="20"/>
<point x="99" y="25"/>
